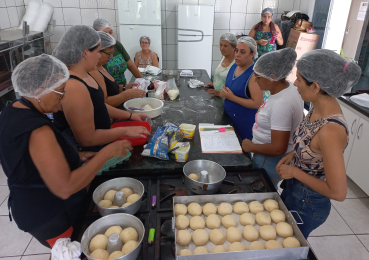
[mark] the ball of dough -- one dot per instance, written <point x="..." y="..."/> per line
<point x="209" y="208"/>
<point x="240" y="207"/>
<point x="182" y="222"/>
<point x="197" y="222"/>
<point x="267" y="232"/>
<point x="127" y="192"/>
<point x="132" y="198"/>
<point x="233" y="234"/>
<point x="213" y="221"/>
<point x="220" y="249"/>
<point x="126" y="204"/>
<point x="256" y="245"/>
<point x="217" y="236"/>
<point x="200" y="250"/>
<point x="247" y="219"/>
<point x="116" y="254"/>
<point x="291" y="242"/>
<point x="98" y="242"/>
<point x="128" y="234"/>
<point x="256" y="206"/>
<point x="271" y="205"/>
<point x="224" y="209"/>
<point x="100" y="254"/>
<point x="236" y="246"/>
<point x="110" y="195"/>
<point x="263" y="218"/>
<point x="278" y="216"/>
<point x="185" y="252"/>
<point x="194" y="209"/>
<point x="129" y="246"/>
<point x="113" y="207"/>
<point x="105" y="203"/>
<point x="180" y="209"/>
<point x="272" y="244"/>
<point x="200" y="237"/>
<point x="229" y="221"/>
<point x="113" y="229"/>
<point x="250" y="233"/>
<point x="183" y="237"/>
<point x="193" y="176"/>
<point x="284" y="229"/>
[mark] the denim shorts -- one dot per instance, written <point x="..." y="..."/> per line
<point x="268" y="164"/>
<point x="312" y="207"/>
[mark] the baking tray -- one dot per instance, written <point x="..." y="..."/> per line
<point x="266" y="254"/>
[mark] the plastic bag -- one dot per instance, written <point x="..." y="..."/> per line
<point x="172" y="89"/>
<point x="142" y="84"/>
<point x="194" y="83"/>
<point x="160" y="87"/>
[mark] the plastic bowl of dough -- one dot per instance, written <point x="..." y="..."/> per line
<point x="155" y="103"/>
<point x="134" y="140"/>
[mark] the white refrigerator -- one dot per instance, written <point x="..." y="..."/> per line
<point x="195" y="37"/>
<point x="136" y="19"/>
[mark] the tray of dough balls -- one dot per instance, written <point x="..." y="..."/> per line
<point x="240" y="226"/>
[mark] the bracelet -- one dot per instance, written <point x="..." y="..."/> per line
<point x="130" y="116"/>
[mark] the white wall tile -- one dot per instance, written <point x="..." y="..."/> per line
<point x="172" y="65"/>
<point x="58" y="32"/>
<point x="58" y="16"/>
<point x="163" y="19"/>
<point x="89" y="16"/>
<point x="164" y="64"/>
<point x="171" y="5"/>
<point x="9" y="3"/>
<point x="171" y="36"/>
<point x="164" y="52"/>
<point x="88" y="3"/>
<point x="254" y="6"/>
<point x="206" y="2"/>
<point x="109" y="15"/>
<point x="55" y="3"/>
<point x="21" y="10"/>
<point x="116" y="33"/>
<point x="238" y="21"/>
<point x="72" y="16"/>
<point x="222" y="6"/>
<point x="163" y="36"/>
<point x="26" y="2"/>
<point x="13" y="16"/>
<point x="239" y="6"/>
<point x="4" y="18"/>
<point x="190" y="2"/>
<point x="285" y="5"/>
<point x="19" y="2"/>
<point x="2" y="3"/>
<point x="110" y="4"/>
<point x="216" y="36"/>
<point x="70" y="3"/>
<point x="251" y="20"/>
<point x="216" y="53"/>
<point x="304" y="6"/>
<point x="117" y="17"/>
<point x="163" y="4"/>
<point x="296" y="5"/>
<point x="221" y="20"/>
<point x="271" y="4"/>
<point x="247" y="31"/>
<point x="172" y="52"/>
<point x="171" y="19"/>
<point x="214" y="65"/>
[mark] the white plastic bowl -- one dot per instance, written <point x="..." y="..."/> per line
<point x="155" y="103"/>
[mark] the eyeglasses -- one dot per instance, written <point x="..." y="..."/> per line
<point x="109" y="54"/>
<point x="144" y="43"/>
<point x="60" y="93"/>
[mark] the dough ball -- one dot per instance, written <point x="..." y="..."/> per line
<point x="233" y="235"/>
<point x="182" y="222"/>
<point x="250" y="233"/>
<point x="217" y="236"/>
<point x="193" y="177"/>
<point x="271" y="205"/>
<point x="284" y="229"/>
<point x="247" y="219"/>
<point x="272" y="244"/>
<point x="128" y="234"/>
<point x="98" y="242"/>
<point x="127" y="192"/>
<point x="180" y="209"/>
<point x="291" y="242"/>
<point x="200" y="250"/>
<point x="197" y="222"/>
<point x="267" y="232"/>
<point x="229" y="221"/>
<point x="220" y="249"/>
<point x="110" y="195"/>
<point x="236" y="246"/>
<point x="256" y="206"/>
<point x="183" y="237"/>
<point x="116" y="254"/>
<point x="213" y="221"/>
<point x="240" y="207"/>
<point x="126" y="204"/>
<point x="129" y="246"/>
<point x="194" y="209"/>
<point x="113" y="229"/>
<point x="147" y="107"/>
<point x="224" y="209"/>
<point x="278" y="216"/>
<point x="100" y="254"/>
<point x="200" y="237"/>
<point x="263" y="218"/>
<point x="105" y="203"/>
<point x="132" y="198"/>
<point x="209" y="208"/>
<point x="256" y="245"/>
<point x="185" y="252"/>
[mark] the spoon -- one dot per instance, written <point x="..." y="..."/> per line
<point x="185" y="144"/>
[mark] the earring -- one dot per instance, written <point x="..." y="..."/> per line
<point x="85" y="59"/>
<point x="315" y="91"/>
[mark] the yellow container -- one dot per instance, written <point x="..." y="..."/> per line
<point x="181" y="154"/>
<point x="187" y="130"/>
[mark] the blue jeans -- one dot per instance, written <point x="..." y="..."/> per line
<point x="268" y="164"/>
<point x="312" y="207"/>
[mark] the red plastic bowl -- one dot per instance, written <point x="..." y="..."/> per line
<point x="134" y="140"/>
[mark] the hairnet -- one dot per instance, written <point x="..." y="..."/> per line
<point x="251" y="43"/>
<point x="106" y="40"/>
<point x="334" y="74"/>
<point x="229" y="37"/>
<point x="74" y="41"/>
<point x="100" y="24"/>
<point x="267" y="10"/>
<point x="39" y="75"/>
<point x="145" y="37"/>
<point x="276" y="65"/>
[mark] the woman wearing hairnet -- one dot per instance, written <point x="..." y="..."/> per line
<point x="277" y="117"/>
<point x="84" y="108"/>
<point x="227" y="45"/>
<point x="105" y="80"/>
<point x="315" y="170"/>
<point x="146" y="57"/>
<point x="45" y="175"/>
<point x="242" y="95"/>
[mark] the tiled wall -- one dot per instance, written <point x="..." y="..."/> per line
<point x="11" y="13"/>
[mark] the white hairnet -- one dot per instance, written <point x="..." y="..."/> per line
<point x="251" y="43"/>
<point x="267" y="10"/>
<point x="106" y="40"/>
<point x="74" y="41"/>
<point x="39" y="75"/>
<point x="276" y="65"/>
<point x="100" y="24"/>
<point x="229" y="37"/>
<point x="334" y="74"/>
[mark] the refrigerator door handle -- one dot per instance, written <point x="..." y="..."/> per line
<point x="191" y="30"/>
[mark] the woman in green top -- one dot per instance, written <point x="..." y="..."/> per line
<point x="227" y="45"/>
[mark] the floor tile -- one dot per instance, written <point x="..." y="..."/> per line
<point x="338" y="247"/>
<point x="4" y="208"/>
<point x="36" y="257"/>
<point x="11" y="258"/>
<point x="36" y="247"/>
<point x="354" y="191"/>
<point x="334" y="225"/>
<point x="365" y="240"/>
<point x="355" y="212"/>
<point x="3" y="178"/>
<point x="4" y="193"/>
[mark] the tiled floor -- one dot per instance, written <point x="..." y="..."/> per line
<point x="345" y="235"/>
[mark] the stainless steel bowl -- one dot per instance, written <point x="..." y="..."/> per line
<point x="117" y="184"/>
<point x="216" y="175"/>
<point x="102" y="224"/>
